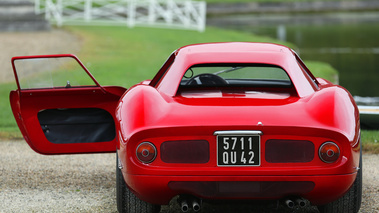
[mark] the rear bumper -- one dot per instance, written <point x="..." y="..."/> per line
<point x="317" y="189"/>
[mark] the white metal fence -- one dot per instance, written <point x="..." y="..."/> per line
<point x="179" y="14"/>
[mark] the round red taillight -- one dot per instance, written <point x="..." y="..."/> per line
<point x="146" y="152"/>
<point x="329" y="152"/>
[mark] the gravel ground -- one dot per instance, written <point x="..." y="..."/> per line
<point x="31" y="182"/>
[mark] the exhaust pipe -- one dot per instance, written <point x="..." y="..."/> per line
<point x="301" y="202"/>
<point x="289" y="203"/>
<point x="194" y="202"/>
<point x="196" y="206"/>
<point x="184" y="206"/>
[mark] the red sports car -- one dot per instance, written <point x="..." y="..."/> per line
<point x="219" y="121"/>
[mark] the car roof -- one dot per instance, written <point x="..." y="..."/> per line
<point x="234" y="52"/>
<point x="234" y="47"/>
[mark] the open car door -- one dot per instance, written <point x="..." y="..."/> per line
<point x="60" y="108"/>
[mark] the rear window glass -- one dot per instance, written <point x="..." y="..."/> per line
<point x="235" y="75"/>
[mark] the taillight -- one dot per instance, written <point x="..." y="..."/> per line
<point x="146" y="152"/>
<point x="329" y="152"/>
<point x="289" y="151"/>
<point x="191" y="151"/>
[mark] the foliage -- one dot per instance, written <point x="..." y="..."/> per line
<point x="323" y="70"/>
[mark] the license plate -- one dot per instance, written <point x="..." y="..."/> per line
<point x="238" y="150"/>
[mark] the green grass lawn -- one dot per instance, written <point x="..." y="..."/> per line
<point x="8" y="126"/>
<point x="323" y="70"/>
<point x="370" y="139"/>
<point x="122" y="56"/>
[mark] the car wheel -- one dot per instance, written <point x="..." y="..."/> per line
<point x="127" y="202"/>
<point x="351" y="201"/>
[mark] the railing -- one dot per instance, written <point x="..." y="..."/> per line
<point x="179" y="14"/>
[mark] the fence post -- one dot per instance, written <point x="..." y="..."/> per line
<point x="202" y="16"/>
<point x="169" y="13"/>
<point x="152" y="11"/>
<point x="188" y="8"/>
<point x="131" y="13"/>
<point x="87" y="10"/>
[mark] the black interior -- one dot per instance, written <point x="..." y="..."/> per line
<point x="79" y="125"/>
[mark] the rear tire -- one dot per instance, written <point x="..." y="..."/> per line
<point x="351" y="201"/>
<point x="127" y="202"/>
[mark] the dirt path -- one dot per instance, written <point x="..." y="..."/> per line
<point x="33" y="43"/>
<point x="30" y="182"/>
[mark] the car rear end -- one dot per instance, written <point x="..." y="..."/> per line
<point x="240" y="162"/>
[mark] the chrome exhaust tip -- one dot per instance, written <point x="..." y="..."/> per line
<point x="301" y="202"/>
<point x="289" y="203"/>
<point x="184" y="206"/>
<point x="196" y="205"/>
